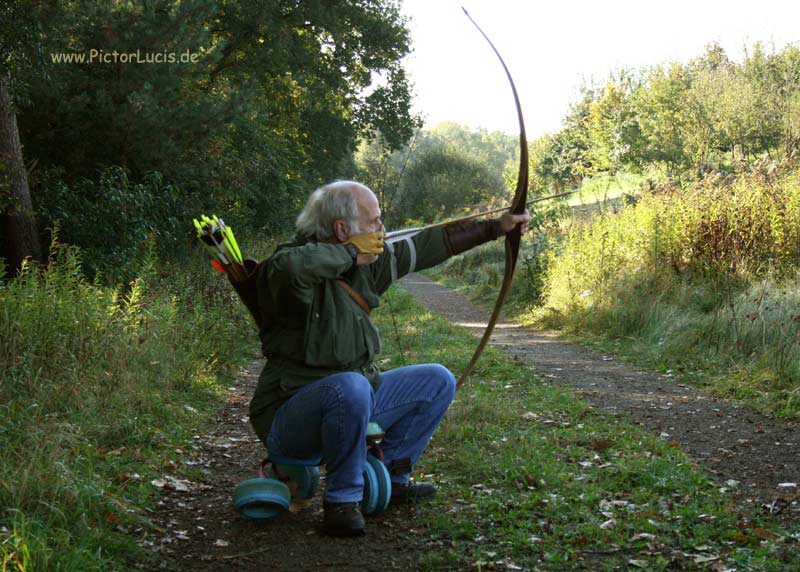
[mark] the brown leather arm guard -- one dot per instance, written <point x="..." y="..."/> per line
<point x="463" y="235"/>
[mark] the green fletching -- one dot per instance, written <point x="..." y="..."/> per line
<point x="218" y="239"/>
<point x="230" y="242"/>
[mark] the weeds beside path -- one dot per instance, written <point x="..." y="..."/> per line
<point x="740" y="447"/>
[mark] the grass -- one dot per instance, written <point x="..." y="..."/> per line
<point x="603" y="189"/>
<point x="100" y="386"/>
<point x="702" y="281"/>
<point x="533" y="478"/>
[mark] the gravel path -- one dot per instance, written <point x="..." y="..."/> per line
<point x="733" y="442"/>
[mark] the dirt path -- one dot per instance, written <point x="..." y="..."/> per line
<point x="202" y="531"/>
<point x="733" y="442"/>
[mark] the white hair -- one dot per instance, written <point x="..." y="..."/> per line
<point x="329" y="203"/>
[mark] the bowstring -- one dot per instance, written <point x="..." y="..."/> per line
<point x="396" y="331"/>
<point x="388" y="291"/>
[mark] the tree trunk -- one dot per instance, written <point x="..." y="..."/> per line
<point x="21" y="235"/>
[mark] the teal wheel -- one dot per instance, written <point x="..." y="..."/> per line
<point x="369" y="504"/>
<point x="383" y="482"/>
<point x="261" y="498"/>
<point x="306" y="479"/>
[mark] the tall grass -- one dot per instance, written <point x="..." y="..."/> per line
<point x="99" y="385"/>
<point x="704" y="277"/>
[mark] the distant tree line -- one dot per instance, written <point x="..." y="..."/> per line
<point x="445" y="170"/>
<point x="684" y="120"/>
<point x="676" y="122"/>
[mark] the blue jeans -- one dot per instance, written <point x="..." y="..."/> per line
<point x="330" y="417"/>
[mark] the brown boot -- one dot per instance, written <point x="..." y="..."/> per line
<point x="343" y="519"/>
<point x="411" y="492"/>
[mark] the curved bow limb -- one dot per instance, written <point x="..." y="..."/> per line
<point x="514" y="237"/>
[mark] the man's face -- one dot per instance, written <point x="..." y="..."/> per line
<point x="369" y="212"/>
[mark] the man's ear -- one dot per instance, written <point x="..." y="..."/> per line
<point x="341" y="230"/>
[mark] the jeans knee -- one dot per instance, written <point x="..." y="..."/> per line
<point x="356" y="393"/>
<point x="446" y="379"/>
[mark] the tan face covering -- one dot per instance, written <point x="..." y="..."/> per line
<point x="370" y="243"/>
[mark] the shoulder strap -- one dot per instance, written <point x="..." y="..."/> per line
<point x="357" y="298"/>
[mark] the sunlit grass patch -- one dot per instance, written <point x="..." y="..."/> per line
<point x="533" y="478"/>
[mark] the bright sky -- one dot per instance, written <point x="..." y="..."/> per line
<point x="552" y="47"/>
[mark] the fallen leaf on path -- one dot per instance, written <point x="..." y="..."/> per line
<point x="180" y="485"/>
<point x="763" y="533"/>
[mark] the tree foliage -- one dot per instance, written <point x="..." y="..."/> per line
<point x="446" y="170"/>
<point x="444" y="181"/>
<point x="272" y="102"/>
<point x="710" y="114"/>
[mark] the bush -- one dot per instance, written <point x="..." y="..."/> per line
<point x="114" y="220"/>
<point x="701" y="277"/>
<point x="99" y="384"/>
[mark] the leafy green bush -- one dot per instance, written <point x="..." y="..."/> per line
<point x="98" y="385"/>
<point x="714" y="231"/>
<point x="114" y="220"/>
<point x="482" y="268"/>
<point x="695" y="278"/>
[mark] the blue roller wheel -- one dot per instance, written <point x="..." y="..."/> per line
<point x="374" y="430"/>
<point x="383" y="481"/>
<point x="306" y="479"/>
<point x="369" y="504"/>
<point x="261" y="498"/>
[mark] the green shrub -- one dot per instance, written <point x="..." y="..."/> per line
<point x="482" y="268"/>
<point x="114" y="220"/>
<point x="98" y="385"/>
<point x="701" y="277"/>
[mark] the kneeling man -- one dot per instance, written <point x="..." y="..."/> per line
<point x="320" y="387"/>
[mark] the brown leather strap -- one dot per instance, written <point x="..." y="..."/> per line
<point x="357" y="298"/>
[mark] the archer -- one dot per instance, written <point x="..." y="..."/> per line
<point x="320" y="387"/>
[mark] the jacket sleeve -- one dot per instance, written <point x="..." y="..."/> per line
<point x="409" y="254"/>
<point x="430" y="247"/>
<point x="309" y="264"/>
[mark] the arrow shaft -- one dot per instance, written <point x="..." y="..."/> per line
<point x="401" y="233"/>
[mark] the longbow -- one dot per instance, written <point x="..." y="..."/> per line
<point x="513" y="238"/>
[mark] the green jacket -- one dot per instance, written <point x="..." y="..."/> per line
<point x="312" y="327"/>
